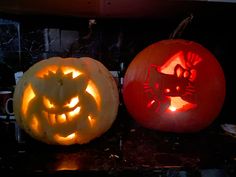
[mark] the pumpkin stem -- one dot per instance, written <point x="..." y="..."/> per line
<point x="91" y="23"/>
<point x="181" y="27"/>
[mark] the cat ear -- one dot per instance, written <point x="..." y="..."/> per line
<point x="179" y="71"/>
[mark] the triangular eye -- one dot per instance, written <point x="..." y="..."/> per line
<point x="47" y="103"/>
<point x="73" y="73"/>
<point x="73" y="102"/>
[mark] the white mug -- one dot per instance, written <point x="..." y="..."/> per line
<point x="6" y="103"/>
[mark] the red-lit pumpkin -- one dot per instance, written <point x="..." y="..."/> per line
<point x="174" y="86"/>
<point x="66" y="100"/>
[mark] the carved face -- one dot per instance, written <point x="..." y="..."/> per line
<point x="63" y="104"/>
<point x="172" y="86"/>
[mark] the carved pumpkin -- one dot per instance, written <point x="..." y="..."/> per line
<point x="66" y="100"/>
<point x="174" y="86"/>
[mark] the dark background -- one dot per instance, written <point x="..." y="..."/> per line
<point x="26" y="38"/>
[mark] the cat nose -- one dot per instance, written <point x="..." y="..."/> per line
<point x="167" y="90"/>
<point x="178" y="88"/>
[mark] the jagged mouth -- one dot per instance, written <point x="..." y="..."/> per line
<point x="62" y="118"/>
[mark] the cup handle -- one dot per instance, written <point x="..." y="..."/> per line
<point x="6" y="106"/>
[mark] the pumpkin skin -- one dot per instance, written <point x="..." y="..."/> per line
<point x="66" y="100"/>
<point x="174" y="86"/>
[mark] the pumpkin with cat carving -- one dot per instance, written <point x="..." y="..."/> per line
<point x="174" y="86"/>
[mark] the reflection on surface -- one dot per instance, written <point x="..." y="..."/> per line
<point x="67" y="162"/>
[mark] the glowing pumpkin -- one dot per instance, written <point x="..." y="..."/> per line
<point x="66" y="100"/>
<point x="174" y="86"/>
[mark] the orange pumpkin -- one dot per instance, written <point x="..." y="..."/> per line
<point x="175" y="86"/>
<point x="66" y="100"/>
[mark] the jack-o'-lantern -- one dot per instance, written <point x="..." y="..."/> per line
<point x="66" y="100"/>
<point x="174" y="86"/>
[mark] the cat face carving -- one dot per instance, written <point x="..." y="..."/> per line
<point x="170" y="87"/>
<point x="174" y="86"/>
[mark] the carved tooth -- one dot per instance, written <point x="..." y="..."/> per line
<point x="68" y="117"/>
<point x="56" y="118"/>
<point x="61" y="118"/>
<point x="45" y="114"/>
<point x="49" y="119"/>
<point x="52" y="118"/>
